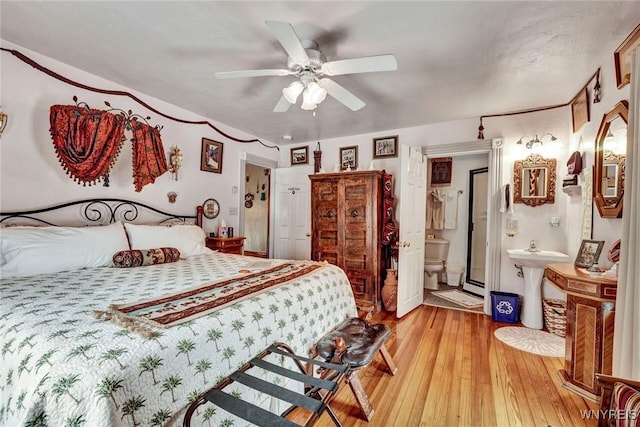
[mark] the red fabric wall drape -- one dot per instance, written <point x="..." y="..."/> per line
<point x="149" y="160"/>
<point x="87" y="142"/>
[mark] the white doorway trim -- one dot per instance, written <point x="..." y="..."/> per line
<point x="267" y="164"/>
<point x="493" y="148"/>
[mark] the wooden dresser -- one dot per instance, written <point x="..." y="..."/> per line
<point x="590" y="321"/>
<point x="228" y="245"/>
<point x="346" y="223"/>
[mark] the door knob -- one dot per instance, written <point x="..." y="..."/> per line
<point x="308" y="234"/>
<point x="406" y="244"/>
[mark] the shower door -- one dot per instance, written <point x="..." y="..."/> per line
<point x="477" y="231"/>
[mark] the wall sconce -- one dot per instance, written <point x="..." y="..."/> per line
<point x="529" y="143"/>
<point x="175" y="161"/>
<point x="3" y="121"/>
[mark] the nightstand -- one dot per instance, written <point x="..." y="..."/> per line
<point x="227" y="245"/>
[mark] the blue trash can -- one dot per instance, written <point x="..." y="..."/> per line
<point x="505" y="307"/>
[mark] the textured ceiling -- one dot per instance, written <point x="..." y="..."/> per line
<point x="456" y="60"/>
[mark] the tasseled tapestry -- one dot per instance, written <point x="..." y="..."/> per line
<point x="88" y="142"/>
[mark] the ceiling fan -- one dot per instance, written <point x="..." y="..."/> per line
<point x="311" y="67"/>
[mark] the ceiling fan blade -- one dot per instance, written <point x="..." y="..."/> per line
<point x="252" y="73"/>
<point x="341" y="94"/>
<point x="282" y="106"/>
<point x="365" y="64"/>
<point x="289" y="40"/>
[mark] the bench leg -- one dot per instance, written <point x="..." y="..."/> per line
<point x="360" y="394"/>
<point x="391" y="366"/>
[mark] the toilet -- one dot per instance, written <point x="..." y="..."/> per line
<point x="435" y="256"/>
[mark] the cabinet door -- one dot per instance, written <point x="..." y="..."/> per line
<point x="325" y="213"/>
<point x="357" y="215"/>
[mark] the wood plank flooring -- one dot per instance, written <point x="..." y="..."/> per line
<point x="452" y="371"/>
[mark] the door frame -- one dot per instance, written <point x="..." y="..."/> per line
<point x="493" y="147"/>
<point x="267" y="164"/>
<point x="476" y="286"/>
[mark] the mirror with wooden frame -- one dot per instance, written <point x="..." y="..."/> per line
<point x="534" y="180"/>
<point x="609" y="168"/>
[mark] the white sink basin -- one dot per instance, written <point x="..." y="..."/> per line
<point x="532" y="264"/>
<point x="536" y="259"/>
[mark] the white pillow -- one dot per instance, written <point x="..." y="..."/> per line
<point x="38" y="250"/>
<point x="188" y="239"/>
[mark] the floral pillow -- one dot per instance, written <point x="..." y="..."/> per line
<point x="140" y="257"/>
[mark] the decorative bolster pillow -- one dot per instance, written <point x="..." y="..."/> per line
<point x="140" y="257"/>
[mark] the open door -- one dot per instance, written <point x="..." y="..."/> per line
<point x="412" y="210"/>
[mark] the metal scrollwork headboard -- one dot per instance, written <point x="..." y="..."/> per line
<point x="97" y="212"/>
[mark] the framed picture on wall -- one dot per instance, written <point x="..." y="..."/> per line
<point x="580" y="109"/>
<point x="211" y="157"/>
<point x="385" y="147"/>
<point x="300" y="155"/>
<point x="588" y="253"/>
<point x="441" y="171"/>
<point x="623" y="55"/>
<point x="349" y="157"/>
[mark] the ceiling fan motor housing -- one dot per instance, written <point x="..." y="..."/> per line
<point x="316" y="58"/>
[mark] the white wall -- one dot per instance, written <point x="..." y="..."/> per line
<point x="31" y="176"/>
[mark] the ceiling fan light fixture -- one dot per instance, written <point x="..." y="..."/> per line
<point x="307" y="101"/>
<point x="318" y="94"/>
<point x="292" y="91"/>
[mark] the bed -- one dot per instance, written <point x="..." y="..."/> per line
<point x="69" y="355"/>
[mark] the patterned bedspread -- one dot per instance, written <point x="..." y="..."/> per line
<point x="60" y="366"/>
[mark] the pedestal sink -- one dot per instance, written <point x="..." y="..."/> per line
<point x="533" y="264"/>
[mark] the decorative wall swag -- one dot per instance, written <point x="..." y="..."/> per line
<point x="88" y="141"/>
<point x="57" y="76"/>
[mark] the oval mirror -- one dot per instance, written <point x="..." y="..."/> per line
<point x="609" y="169"/>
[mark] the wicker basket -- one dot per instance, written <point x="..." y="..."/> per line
<point x="555" y="318"/>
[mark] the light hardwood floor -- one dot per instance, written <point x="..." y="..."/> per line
<point x="452" y="371"/>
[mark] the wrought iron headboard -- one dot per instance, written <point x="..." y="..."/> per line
<point x="100" y="211"/>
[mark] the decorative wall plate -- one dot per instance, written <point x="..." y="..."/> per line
<point x="210" y="208"/>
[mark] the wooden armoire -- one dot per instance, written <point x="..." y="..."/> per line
<point x="346" y="224"/>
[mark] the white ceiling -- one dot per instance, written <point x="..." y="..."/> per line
<point x="456" y="60"/>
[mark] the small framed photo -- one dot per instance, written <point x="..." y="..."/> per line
<point x="441" y="171"/>
<point x="580" y="109"/>
<point x="623" y="55"/>
<point x="211" y="157"/>
<point x="300" y="155"/>
<point x="349" y="158"/>
<point x="385" y="147"/>
<point x="589" y="253"/>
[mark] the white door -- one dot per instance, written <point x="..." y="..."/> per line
<point x="292" y="214"/>
<point x="412" y="210"/>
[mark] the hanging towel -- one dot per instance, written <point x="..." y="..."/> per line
<point x="505" y="199"/>
<point x="435" y="210"/>
<point x="451" y="209"/>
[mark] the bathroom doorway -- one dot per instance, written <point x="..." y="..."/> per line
<point x="477" y="231"/>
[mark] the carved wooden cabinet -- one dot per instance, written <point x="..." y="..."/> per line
<point x="346" y="220"/>
<point x="589" y="333"/>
